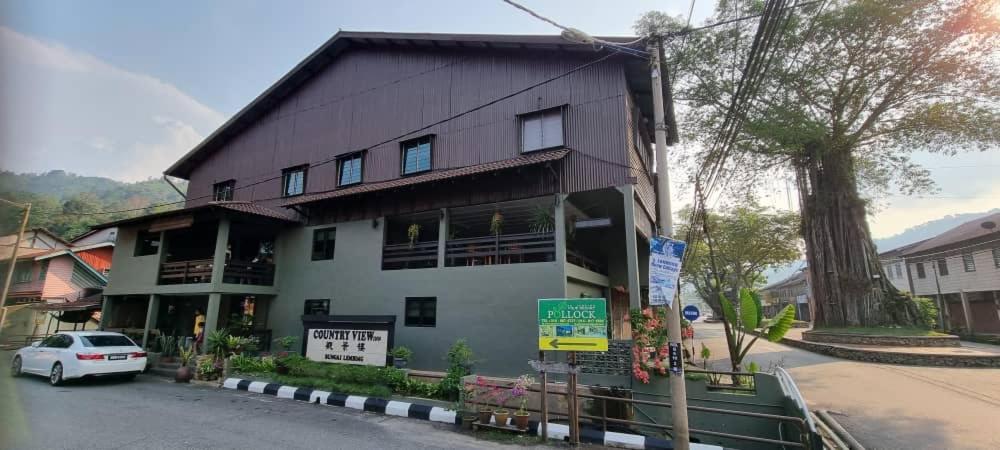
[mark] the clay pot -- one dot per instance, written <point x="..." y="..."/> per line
<point x="467" y="421"/>
<point x="184" y="374"/>
<point x="484" y="415"/>
<point x="521" y="420"/>
<point x="501" y="416"/>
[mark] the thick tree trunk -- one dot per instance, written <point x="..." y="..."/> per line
<point x="848" y="283"/>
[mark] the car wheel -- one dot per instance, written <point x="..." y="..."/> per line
<point x="56" y="376"/>
<point x="15" y="367"/>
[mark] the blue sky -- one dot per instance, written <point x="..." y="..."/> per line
<point x="122" y="88"/>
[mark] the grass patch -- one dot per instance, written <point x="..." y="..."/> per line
<point x="368" y="390"/>
<point x="881" y="331"/>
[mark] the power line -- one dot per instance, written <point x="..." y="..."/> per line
<point x="622" y="46"/>
<point x="727" y="22"/>
<point x="395" y="138"/>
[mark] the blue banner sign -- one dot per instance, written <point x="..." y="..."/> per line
<point x="665" y="256"/>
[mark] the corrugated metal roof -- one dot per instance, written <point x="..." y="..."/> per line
<point x="525" y="160"/>
<point x="240" y="207"/>
<point x="964" y="232"/>
<point x="343" y="40"/>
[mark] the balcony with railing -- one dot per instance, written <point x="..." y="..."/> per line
<point x="516" y="232"/>
<point x="190" y="257"/>
<point x="411" y="241"/>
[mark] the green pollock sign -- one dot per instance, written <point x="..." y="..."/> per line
<point x="573" y="324"/>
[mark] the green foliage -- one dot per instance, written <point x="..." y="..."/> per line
<point x="217" y="343"/>
<point x="781" y="323"/>
<point x="401" y="353"/>
<point x="330" y="385"/>
<point x="928" y="311"/>
<point x="728" y="311"/>
<point x="286" y="342"/>
<point x="460" y="360"/>
<point x="753" y="367"/>
<point x="750" y="311"/>
<point x="56" y="196"/>
<point x="185" y="354"/>
<point x="251" y="365"/>
<point x="166" y="345"/>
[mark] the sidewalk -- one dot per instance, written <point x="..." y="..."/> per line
<point x="969" y="354"/>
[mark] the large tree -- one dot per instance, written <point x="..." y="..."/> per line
<point x="853" y="88"/>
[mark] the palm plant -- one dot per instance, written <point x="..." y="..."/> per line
<point x="748" y="319"/>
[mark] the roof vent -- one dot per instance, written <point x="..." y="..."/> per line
<point x="989" y="224"/>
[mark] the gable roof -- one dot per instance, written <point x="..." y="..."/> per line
<point x="899" y="251"/>
<point x="637" y="75"/>
<point x="967" y="231"/>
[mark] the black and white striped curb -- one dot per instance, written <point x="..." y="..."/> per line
<point x="556" y="431"/>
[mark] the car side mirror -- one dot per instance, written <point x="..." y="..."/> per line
<point x="36" y="344"/>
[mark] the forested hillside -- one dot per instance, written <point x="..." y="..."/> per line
<point x="65" y="202"/>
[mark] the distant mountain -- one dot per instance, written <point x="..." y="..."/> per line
<point x="65" y="203"/>
<point x="928" y="230"/>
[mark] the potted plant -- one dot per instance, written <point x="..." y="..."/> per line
<point x="184" y="373"/>
<point x="400" y="356"/>
<point x="496" y="223"/>
<point x="520" y="391"/>
<point x="485" y="394"/>
<point x="501" y="414"/>
<point x="286" y="343"/>
<point x="413" y="233"/>
<point x="542" y="221"/>
<point x="466" y="401"/>
<point x="168" y="345"/>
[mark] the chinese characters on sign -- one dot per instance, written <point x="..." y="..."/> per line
<point x="573" y="324"/>
<point x="347" y="346"/>
<point x="665" y="256"/>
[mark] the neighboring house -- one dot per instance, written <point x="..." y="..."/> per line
<point x="57" y="274"/>
<point x="793" y="290"/>
<point x="895" y="266"/>
<point x="961" y="268"/>
<point x="359" y="185"/>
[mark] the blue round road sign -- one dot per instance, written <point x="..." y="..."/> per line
<point x="691" y="312"/>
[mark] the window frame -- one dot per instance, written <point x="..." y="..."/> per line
<point x="22" y="275"/>
<point x="420" y="321"/>
<point x="332" y="251"/>
<point x="43" y="269"/>
<point x="360" y="156"/>
<point x="416" y="142"/>
<point x="139" y="239"/>
<point x="231" y="190"/>
<point x="541" y="113"/>
<point x="942" y="267"/>
<point x="969" y="262"/>
<point x="921" y="272"/>
<point x="285" y="173"/>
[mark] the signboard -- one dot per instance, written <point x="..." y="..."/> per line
<point x="348" y="346"/>
<point x="358" y="340"/>
<point x="676" y="357"/>
<point x="573" y="324"/>
<point x="691" y="313"/>
<point x="665" y="256"/>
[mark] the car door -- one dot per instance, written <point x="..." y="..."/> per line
<point x="31" y="358"/>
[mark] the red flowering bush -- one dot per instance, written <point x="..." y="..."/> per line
<point x="649" y="342"/>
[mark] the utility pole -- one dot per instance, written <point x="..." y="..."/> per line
<point x="678" y="390"/>
<point x="13" y="260"/>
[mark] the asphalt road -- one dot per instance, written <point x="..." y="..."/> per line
<point x="886" y="406"/>
<point x="152" y="413"/>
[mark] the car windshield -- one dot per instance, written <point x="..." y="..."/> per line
<point x="106" y="340"/>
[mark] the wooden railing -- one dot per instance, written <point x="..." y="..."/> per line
<point x="186" y="272"/>
<point x="241" y="272"/>
<point x="502" y="249"/>
<point x="579" y="259"/>
<point x="420" y="255"/>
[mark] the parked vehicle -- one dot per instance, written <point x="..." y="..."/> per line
<point x="80" y="354"/>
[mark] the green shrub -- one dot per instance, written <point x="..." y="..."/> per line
<point x="252" y="365"/>
<point x="460" y="360"/>
<point x="326" y="384"/>
<point x="401" y="353"/>
<point x="928" y="311"/>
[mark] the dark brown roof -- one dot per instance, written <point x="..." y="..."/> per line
<point x="965" y="232"/>
<point x="637" y="75"/>
<point x="525" y="160"/>
<point x="899" y="251"/>
<point x="239" y="207"/>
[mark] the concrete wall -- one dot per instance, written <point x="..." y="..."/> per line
<point x="131" y="274"/>
<point x="986" y="277"/>
<point x="493" y="307"/>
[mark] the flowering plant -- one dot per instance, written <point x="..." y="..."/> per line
<point x="520" y="391"/>
<point x="649" y="342"/>
<point x="483" y="393"/>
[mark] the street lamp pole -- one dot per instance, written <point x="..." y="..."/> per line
<point x="13" y="260"/>
<point x="678" y="390"/>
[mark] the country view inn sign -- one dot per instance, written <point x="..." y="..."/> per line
<point x="358" y="340"/>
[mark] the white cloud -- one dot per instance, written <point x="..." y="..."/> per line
<point x="64" y="109"/>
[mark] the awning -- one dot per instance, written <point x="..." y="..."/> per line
<point x="79" y="305"/>
<point x="521" y="161"/>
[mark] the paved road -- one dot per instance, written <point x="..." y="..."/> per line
<point x="886" y="406"/>
<point x="152" y="413"/>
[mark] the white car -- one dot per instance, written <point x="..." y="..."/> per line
<point x="79" y="354"/>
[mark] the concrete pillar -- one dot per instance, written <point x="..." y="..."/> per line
<point x="442" y="237"/>
<point x="211" y="316"/>
<point x="967" y="312"/>
<point x="106" y="312"/>
<point x="151" y="311"/>
<point x="631" y="247"/>
<point x="221" y="244"/>
<point x="559" y="214"/>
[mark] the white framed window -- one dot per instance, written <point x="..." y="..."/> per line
<point x="542" y="130"/>
<point x="969" y="262"/>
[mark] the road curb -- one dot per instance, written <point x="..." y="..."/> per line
<point x="557" y="431"/>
